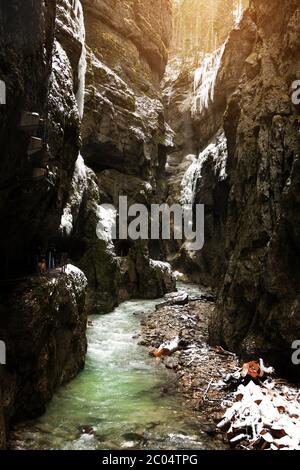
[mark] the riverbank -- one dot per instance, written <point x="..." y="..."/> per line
<point x="200" y="369"/>
<point x="212" y="381"/>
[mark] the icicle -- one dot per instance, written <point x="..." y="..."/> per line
<point x="79" y="180"/>
<point x="189" y="180"/>
<point x="82" y="62"/>
<point x="78" y="187"/>
<point x="238" y="13"/>
<point x="205" y="80"/>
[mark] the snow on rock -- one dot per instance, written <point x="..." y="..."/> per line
<point x="69" y="17"/>
<point x="62" y="75"/>
<point x="265" y="417"/>
<point x="107" y="216"/>
<point x="70" y="22"/>
<point x="205" y="79"/>
<point x="77" y="277"/>
<point x="167" y="349"/>
<point x="163" y="266"/>
<point x="178" y="275"/>
<point x="189" y="180"/>
<point x="219" y="152"/>
<point x="75" y="281"/>
<point x="74" y="271"/>
<point x="169" y="136"/>
<point x="78" y="187"/>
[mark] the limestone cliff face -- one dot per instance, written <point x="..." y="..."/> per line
<point x="259" y="300"/>
<point x="24" y="32"/>
<point x="43" y="323"/>
<point x="125" y="140"/>
<point x="250" y="190"/>
<point x="42" y="319"/>
<point x="124" y="127"/>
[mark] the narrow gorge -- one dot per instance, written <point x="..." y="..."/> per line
<point x="168" y="104"/>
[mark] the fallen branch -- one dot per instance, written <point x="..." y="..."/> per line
<point x="207" y="390"/>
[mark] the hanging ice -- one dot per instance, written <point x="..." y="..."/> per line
<point x="238" y="13"/>
<point x="217" y="152"/>
<point x="205" y="80"/>
<point x="76" y="7"/>
<point x="189" y="180"/>
<point x="82" y="62"/>
<point x="78" y="187"/>
<point x="80" y="176"/>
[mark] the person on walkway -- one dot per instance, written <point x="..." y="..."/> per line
<point x="64" y="262"/>
<point x="51" y="257"/>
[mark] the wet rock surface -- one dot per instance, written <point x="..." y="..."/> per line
<point x="252" y="222"/>
<point x="258" y="306"/>
<point x="124" y="126"/>
<point x="125" y="139"/>
<point x="45" y="336"/>
<point x="251" y="245"/>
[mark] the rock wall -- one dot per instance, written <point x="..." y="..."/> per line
<point x="258" y="308"/>
<point x="251" y="250"/>
<point x="125" y="141"/>
<point x="124" y="127"/>
<point x="43" y="324"/>
<point x="24" y="31"/>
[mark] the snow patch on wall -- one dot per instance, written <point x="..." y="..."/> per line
<point x="106" y="215"/>
<point x="219" y="152"/>
<point x="165" y="267"/>
<point x="78" y="278"/>
<point x="188" y="183"/>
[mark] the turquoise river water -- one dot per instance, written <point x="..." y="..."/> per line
<point x="123" y="398"/>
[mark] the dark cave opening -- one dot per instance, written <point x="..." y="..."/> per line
<point x="122" y="247"/>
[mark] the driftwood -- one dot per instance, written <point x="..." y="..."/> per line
<point x="167" y="349"/>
